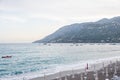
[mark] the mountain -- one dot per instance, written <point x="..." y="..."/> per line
<point x="102" y="31"/>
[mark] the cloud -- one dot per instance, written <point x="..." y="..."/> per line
<point x="43" y="15"/>
<point x="62" y="9"/>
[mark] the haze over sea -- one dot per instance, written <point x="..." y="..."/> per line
<point x="37" y="59"/>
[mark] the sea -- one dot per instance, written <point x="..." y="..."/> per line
<point x="30" y="60"/>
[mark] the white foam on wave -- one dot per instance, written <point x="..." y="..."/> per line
<point x="79" y="65"/>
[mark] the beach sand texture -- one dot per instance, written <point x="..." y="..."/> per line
<point x="100" y="71"/>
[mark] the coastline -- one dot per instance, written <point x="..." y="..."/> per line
<point x="95" y="54"/>
<point x="91" y="68"/>
<point x="76" y="71"/>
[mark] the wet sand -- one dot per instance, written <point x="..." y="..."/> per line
<point x="100" y="71"/>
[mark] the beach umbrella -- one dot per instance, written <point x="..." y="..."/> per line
<point x="110" y="62"/>
<point x="96" y="75"/>
<point x="106" y="73"/>
<point x="81" y="76"/>
<point x="68" y="74"/>
<point x="44" y="76"/>
<point x="60" y="76"/>
<point x="117" y="62"/>
<point x="96" y="78"/>
<point x="85" y="73"/>
<point x="66" y="78"/>
<point x="94" y="67"/>
<point x="115" y="72"/>
<point x="103" y="71"/>
<point x="85" y="77"/>
<point x="103" y="64"/>
<point x="57" y="78"/>
<point x="73" y="76"/>
<point x="110" y="66"/>
<point x="115" y="77"/>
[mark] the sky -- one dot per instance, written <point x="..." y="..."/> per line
<point x="29" y="20"/>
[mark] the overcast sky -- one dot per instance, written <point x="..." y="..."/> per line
<point x="29" y="20"/>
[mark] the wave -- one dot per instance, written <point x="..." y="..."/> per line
<point x="58" y="68"/>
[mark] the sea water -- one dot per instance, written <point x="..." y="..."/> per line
<point x="38" y="59"/>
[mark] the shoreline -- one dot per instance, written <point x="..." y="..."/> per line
<point x="62" y="74"/>
<point x="93" y="65"/>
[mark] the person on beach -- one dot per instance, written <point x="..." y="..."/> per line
<point x="87" y="66"/>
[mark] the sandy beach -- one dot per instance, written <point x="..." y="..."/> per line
<point x="101" y="71"/>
